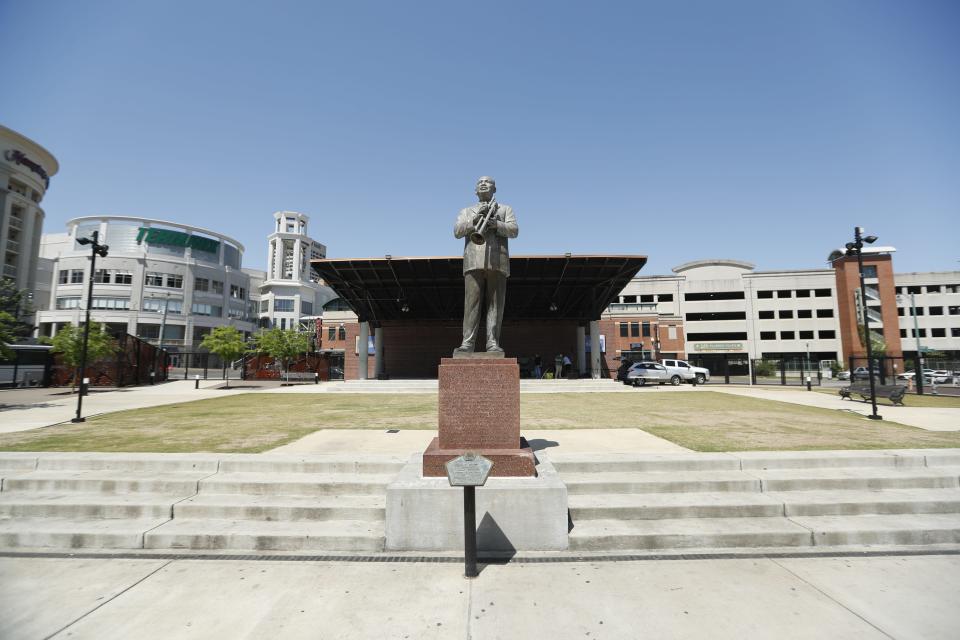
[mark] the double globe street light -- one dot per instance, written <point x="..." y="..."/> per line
<point x="97" y="250"/>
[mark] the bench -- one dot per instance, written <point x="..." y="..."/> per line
<point x="892" y="392"/>
<point x="299" y="376"/>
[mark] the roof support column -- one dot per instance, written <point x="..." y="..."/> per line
<point x="595" y="349"/>
<point x="378" y="352"/>
<point x="581" y="350"/>
<point x="362" y="349"/>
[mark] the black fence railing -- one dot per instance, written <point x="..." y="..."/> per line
<point x="920" y="375"/>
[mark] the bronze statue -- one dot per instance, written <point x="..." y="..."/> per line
<point x="485" y="229"/>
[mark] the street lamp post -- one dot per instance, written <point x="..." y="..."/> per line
<point x="916" y="335"/>
<point x="97" y="249"/>
<point x="856" y="247"/>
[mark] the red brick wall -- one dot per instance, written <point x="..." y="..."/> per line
<point x="614" y="341"/>
<point x="848" y="281"/>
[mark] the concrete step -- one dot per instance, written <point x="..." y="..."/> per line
<point x="332" y="535"/>
<point x="103" y="482"/>
<point x="16" y="461"/>
<point x="866" y="478"/>
<point x="281" y="508"/>
<point x="687" y="533"/>
<point x="329" y="464"/>
<point x="912" y="529"/>
<point x="760" y="460"/>
<point x="296" y="484"/>
<point x="140" y="462"/>
<point x="131" y="506"/>
<point x="70" y="533"/>
<point x="851" y="503"/>
<point x="660" y="482"/>
<point x="570" y="463"/>
<point x="655" y="506"/>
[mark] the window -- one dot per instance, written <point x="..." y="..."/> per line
<point x="646" y="298"/>
<point x="154" y="279"/>
<point x="870" y="271"/>
<point x="101" y="276"/>
<point x="713" y="295"/>
<point x="264" y="306"/>
<point x="923" y="333"/>
<point x="665" y="297"/>
<point x="236" y="314"/>
<point x="72" y="302"/>
<point x="216" y="286"/>
<point x="938" y="333"/>
<point x="121" y="304"/>
<point x="629" y="299"/>
<point x="903" y="333"/>
<point x="718" y="335"/>
<point x="806" y="335"/>
<point x="331" y="333"/>
<point x="786" y="335"/>
<point x="822" y="293"/>
<point x="283" y="305"/>
<point x="803" y="293"/>
<point x="342" y="333"/>
<point x="935" y="311"/>
<point x="824" y="313"/>
<point x="238" y="292"/>
<point x="122" y="277"/>
<point x="646" y="329"/>
<point x="623" y="329"/>
<point x="785" y="313"/>
<point x="919" y="311"/>
<point x="955" y="332"/>
<point x="784" y="293"/>
<point x="768" y="335"/>
<point x="915" y="290"/>
<point x="76" y="276"/>
<point x="900" y="311"/>
<point x="804" y="313"/>
<point x="827" y="334"/>
<point x="764" y="294"/>
<point x="671" y="332"/>
<point x="156" y="305"/>
<point x="174" y="281"/>
<point x="201" y="284"/>
<point x="954" y="311"/>
<point x="306" y="308"/>
<point x="64" y="276"/>
<point x="719" y="315"/>
<point x="933" y="288"/>
<point x="952" y="288"/>
<point x="766" y="315"/>
<point x="898" y="290"/>
<point x="203" y="309"/>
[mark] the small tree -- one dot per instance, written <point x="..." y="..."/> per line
<point x="226" y="342"/>
<point x="14" y="305"/>
<point x="7" y="335"/>
<point x="282" y="345"/>
<point x="69" y="343"/>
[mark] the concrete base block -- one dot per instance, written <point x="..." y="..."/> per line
<point x="513" y="514"/>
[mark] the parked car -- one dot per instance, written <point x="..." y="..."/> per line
<point x="686" y="371"/>
<point x="843" y="375"/>
<point x="940" y="376"/>
<point x="860" y="373"/>
<point x="643" y="373"/>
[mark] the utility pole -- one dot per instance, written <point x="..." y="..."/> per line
<point x="97" y="249"/>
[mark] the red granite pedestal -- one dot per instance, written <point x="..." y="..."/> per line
<point x="480" y="411"/>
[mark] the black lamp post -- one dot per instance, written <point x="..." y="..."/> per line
<point x="97" y="250"/>
<point x="856" y="247"/>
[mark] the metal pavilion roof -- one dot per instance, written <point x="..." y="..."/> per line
<point x="540" y="287"/>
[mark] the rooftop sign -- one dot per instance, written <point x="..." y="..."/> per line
<point x="177" y="239"/>
<point x="14" y="155"/>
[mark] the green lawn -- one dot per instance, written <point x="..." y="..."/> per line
<point x="703" y="421"/>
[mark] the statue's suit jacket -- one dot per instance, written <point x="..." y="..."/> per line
<point x="494" y="253"/>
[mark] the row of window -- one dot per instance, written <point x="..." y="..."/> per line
<point x="663" y="297"/>
<point x="933" y="311"/>
<point x="937" y="332"/>
<point x="826" y="334"/>
<point x="111" y="276"/>
<point x="801" y="313"/>
<point x="169" y="280"/>
<point x="930" y="288"/>
<point x="336" y="333"/>
<point x="207" y="285"/>
<point x="286" y="305"/>
<point x="799" y="293"/>
<point x="633" y="329"/>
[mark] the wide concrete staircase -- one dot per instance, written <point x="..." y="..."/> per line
<point x="761" y="500"/>
<point x="194" y="501"/>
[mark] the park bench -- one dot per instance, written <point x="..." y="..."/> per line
<point x="892" y="392"/>
<point x="302" y="377"/>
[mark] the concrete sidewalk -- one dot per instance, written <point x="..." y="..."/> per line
<point x="929" y="418"/>
<point x="259" y="597"/>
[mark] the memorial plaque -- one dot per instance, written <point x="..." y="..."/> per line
<point x="468" y="470"/>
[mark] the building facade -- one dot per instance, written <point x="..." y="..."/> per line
<point x="25" y="172"/>
<point x="289" y="296"/>
<point x="162" y="281"/>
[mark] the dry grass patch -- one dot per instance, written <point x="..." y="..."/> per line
<point x="703" y="421"/>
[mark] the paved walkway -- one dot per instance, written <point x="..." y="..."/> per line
<point x="838" y="598"/>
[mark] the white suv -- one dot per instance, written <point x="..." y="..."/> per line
<point x="687" y="371"/>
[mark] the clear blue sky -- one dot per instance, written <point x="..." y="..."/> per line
<point x="757" y="130"/>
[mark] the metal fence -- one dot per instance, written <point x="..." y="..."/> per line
<point x="919" y="374"/>
<point x="738" y="369"/>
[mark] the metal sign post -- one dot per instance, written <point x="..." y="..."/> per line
<point x="469" y="471"/>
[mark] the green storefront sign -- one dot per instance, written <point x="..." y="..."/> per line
<point x="719" y="346"/>
<point x="177" y="239"/>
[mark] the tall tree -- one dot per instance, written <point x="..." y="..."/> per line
<point x="283" y="345"/>
<point x="226" y="342"/>
<point x="14" y="305"/>
<point x="69" y="343"/>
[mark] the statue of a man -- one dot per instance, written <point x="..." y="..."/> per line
<point x="485" y="228"/>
